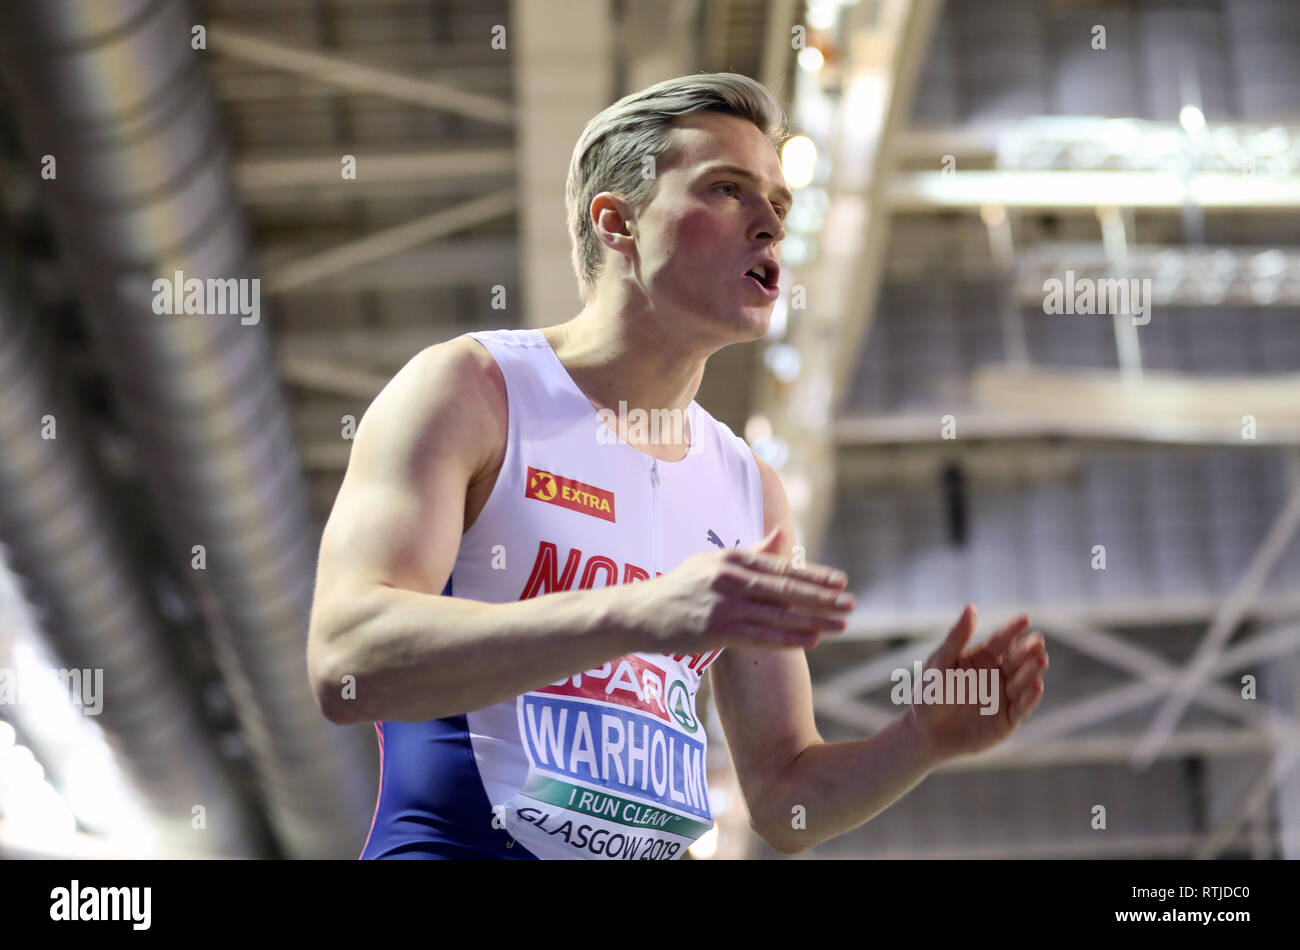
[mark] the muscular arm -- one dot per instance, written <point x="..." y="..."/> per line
<point x="764" y="700"/>
<point x="389" y="546"/>
<point x="764" y="697"/>
<point x="379" y="617"/>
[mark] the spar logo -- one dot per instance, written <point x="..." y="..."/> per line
<point x="569" y="493"/>
<point x="632" y="682"/>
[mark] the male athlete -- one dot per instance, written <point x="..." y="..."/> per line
<point x="522" y="590"/>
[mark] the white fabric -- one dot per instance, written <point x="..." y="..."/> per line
<point x="622" y="742"/>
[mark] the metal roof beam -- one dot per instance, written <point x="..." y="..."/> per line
<point x="389" y="241"/>
<point x="344" y="73"/>
<point x="1083" y="192"/>
<point x="255" y="173"/>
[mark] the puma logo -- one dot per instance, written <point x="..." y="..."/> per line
<point x="714" y="539"/>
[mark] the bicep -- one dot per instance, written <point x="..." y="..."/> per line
<point x="397" y="519"/>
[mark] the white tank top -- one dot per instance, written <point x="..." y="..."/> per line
<point x="610" y="762"/>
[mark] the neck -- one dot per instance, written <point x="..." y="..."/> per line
<point x="618" y="356"/>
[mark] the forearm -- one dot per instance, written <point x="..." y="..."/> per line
<point x="841" y="785"/>
<point x="415" y="657"/>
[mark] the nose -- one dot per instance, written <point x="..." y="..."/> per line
<point x="769" y="226"/>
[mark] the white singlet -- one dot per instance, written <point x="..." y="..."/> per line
<point x="609" y="763"/>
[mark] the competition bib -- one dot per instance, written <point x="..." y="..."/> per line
<point x="617" y="762"/>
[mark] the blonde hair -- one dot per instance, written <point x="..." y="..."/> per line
<point x="611" y="150"/>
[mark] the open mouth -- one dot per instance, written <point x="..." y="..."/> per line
<point x="761" y="282"/>
<point x="763" y="277"/>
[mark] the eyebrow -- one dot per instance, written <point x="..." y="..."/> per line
<point x="739" y="172"/>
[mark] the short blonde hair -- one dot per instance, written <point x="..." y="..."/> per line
<point x="611" y="149"/>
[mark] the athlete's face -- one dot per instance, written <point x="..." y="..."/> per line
<point x="707" y="224"/>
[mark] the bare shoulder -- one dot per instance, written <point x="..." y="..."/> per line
<point x="776" y="507"/>
<point x="766" y="471"/>
<point x="464" y="368"/>
<point x="452" y="392"/>
<point x="420" y="447"/>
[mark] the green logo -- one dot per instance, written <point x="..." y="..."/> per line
<point x="682" y="707"/>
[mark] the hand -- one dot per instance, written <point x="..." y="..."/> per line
<point x="1017" y="664"/>
<point x="737" y="597"/>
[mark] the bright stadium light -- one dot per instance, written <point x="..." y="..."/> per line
<point x="1191" y="118"/>
<point x="798" y="158"/>
<point x="811" y="59"/>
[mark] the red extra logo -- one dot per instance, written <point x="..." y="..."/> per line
<point x="569" y="493"/>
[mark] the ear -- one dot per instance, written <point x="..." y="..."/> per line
<point x="613" y="221"/>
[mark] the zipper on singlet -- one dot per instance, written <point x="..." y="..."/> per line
<point x="654" y="516"/>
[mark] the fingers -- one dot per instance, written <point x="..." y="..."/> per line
<point x="1026" y="702"/>
<point x="780" y="604"/>
<point x="956" y="640"/>
<point x="788" y="619"/>
<point x="1029" y="649"/>
<point x="995" y="646"/>
<point x="789" y="589"/>
<point x="1028" y="671"/>
<point x="1025" y="685"/>
<point x="774" y="564"/>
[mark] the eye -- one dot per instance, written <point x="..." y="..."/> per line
<point x="780" y="209"/>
